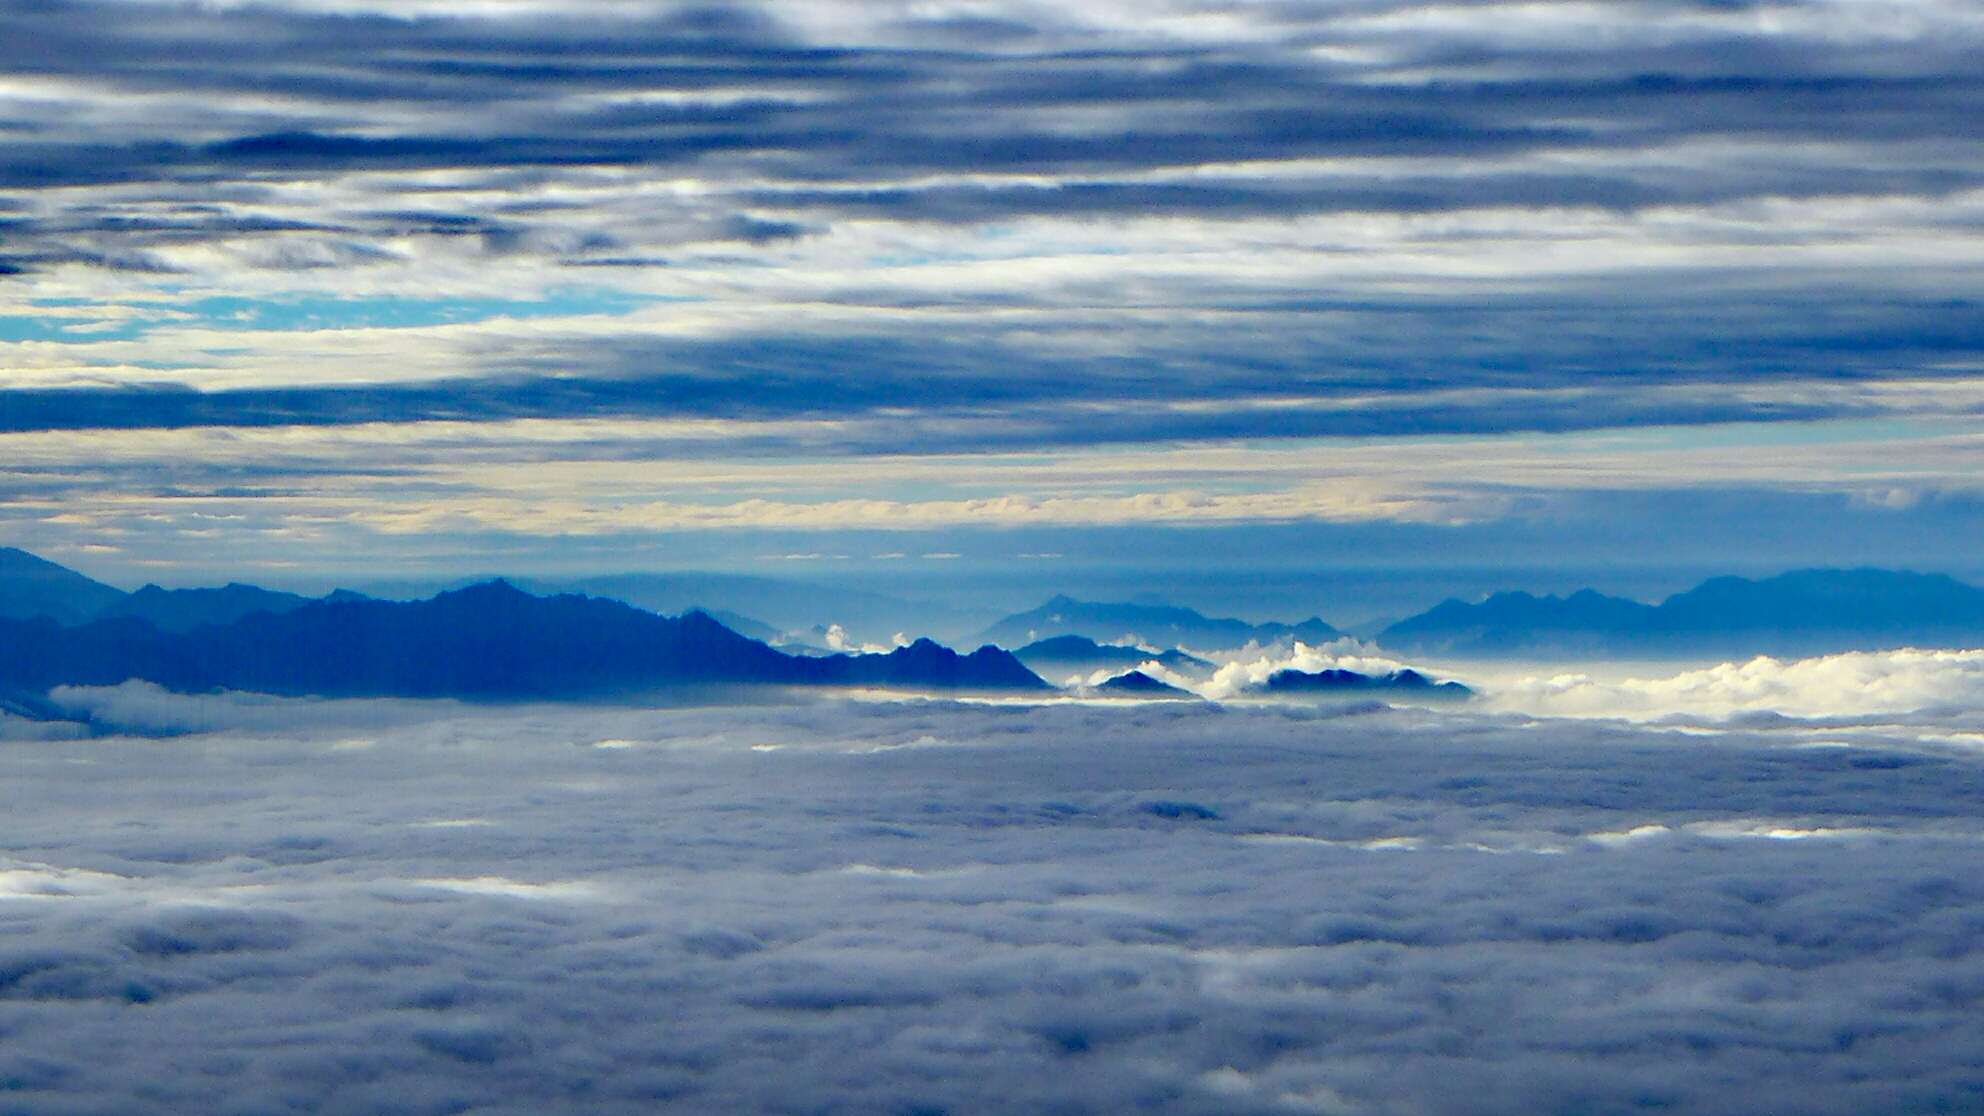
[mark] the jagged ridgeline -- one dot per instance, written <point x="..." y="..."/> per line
<point x="490" y="641"/>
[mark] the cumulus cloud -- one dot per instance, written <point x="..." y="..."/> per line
<point x="921" y="906"/>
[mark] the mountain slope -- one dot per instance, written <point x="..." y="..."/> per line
<point x="31" y="586"/>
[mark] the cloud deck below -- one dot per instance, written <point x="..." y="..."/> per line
<point x="928" y="907"/>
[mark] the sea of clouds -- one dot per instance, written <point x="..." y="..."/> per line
<point x="848" y="905"/>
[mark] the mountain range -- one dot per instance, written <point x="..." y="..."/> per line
<point x="1149" y="624"/>
<point x="490" y="641"/>
<point x="495" y="640"/>
<point x="1805" y="612"/>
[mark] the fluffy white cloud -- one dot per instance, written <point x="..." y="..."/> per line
<point x="921" y="906"/>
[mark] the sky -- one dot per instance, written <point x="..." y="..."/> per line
<point x="1253" y="305"/>
<point x="235" y="904"/>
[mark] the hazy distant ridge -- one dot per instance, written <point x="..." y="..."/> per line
<point x="1799" y="613"/>
<point x="1156" y="625"/>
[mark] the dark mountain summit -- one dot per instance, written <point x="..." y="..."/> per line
<point x="1805" y="612"/>
<point x="1156" y="625"/>
<point x="490" y="641"/>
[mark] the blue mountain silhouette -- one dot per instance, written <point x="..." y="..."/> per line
<point x="490" y="641"/>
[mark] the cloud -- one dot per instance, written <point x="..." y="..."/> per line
<point x="851" y="229"/>
<point x="921" y="905"/>
<point x="1320" y="188"/>
<point x="1860" y="683"/>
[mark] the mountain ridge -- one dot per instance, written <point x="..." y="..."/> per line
<point x="1800" y="612"/>
<point x="490" y="641"/>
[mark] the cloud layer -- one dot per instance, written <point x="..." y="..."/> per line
<point x="918" y="907"/>
<point x="802" y="231"/>
<point x="1275" y="202"/>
